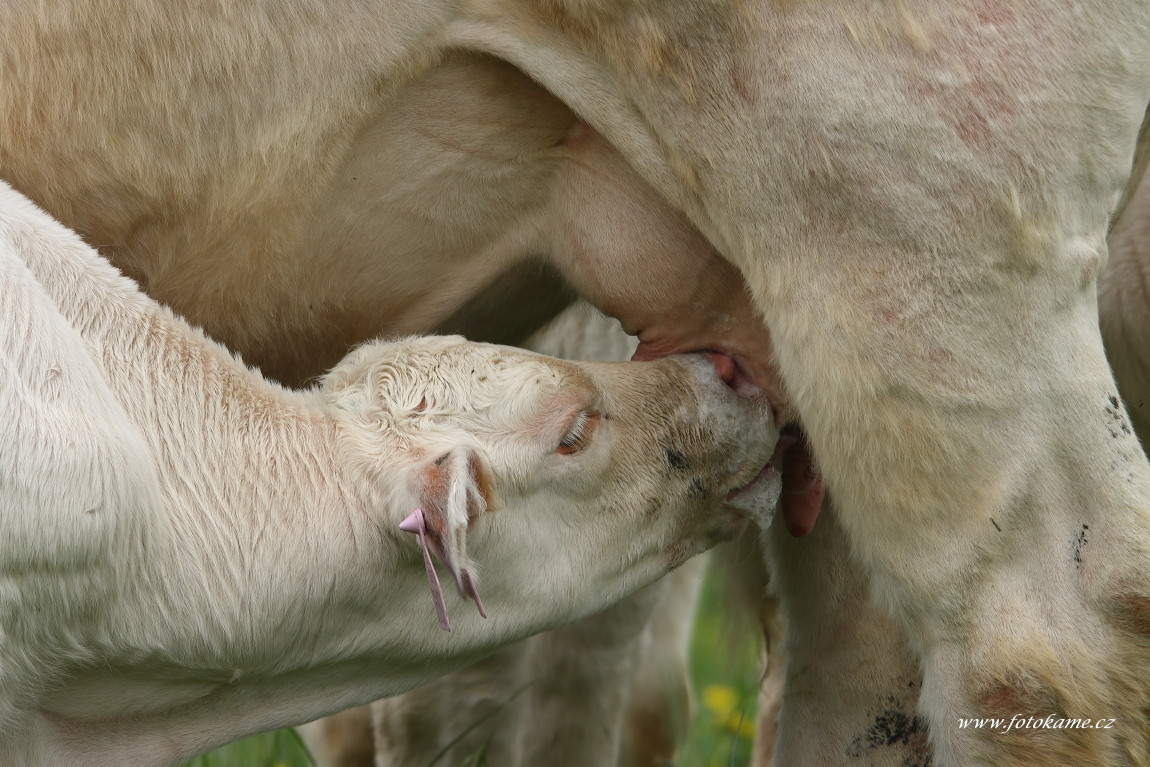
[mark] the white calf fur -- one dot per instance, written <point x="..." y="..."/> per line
<point x="193" y="554"/>
<point x="610" y="689"/>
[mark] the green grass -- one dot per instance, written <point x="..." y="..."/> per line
<point x="724" y="670"/>
<point x="725" y="673"/>
<point x="281" y="748"/>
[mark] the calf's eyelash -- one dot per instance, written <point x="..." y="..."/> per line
<point x="578" y="435"/>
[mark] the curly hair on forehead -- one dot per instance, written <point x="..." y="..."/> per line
<point x="418" y="383"/>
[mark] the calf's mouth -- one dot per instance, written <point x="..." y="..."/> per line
<point x="791" y="479"/>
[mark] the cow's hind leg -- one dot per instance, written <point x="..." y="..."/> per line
<point x="850" y="695"/>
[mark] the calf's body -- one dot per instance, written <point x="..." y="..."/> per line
<point x="195" y="554"/>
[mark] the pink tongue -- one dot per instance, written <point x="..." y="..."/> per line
<point x="803" y="491"/>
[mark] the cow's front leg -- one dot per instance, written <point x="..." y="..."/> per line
<point x="944" y="358"/>
<point x="932" y="222"/>
<point x="994" y="489"/>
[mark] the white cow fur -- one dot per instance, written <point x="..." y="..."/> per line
<point x="918" y="196"/>
<point x="192" y="554"/>
<point x="870" y="719"/>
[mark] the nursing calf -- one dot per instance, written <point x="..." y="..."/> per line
<point x="610" y="689"/>
<point x="193" y="554"/>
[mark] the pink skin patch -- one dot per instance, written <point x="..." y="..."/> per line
<point x="416" y="523"/>
<point x="724" y="366"/>
<point x="470" y="590"/>
<point x="803" y="491"/>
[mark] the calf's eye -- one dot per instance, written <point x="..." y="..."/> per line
<point x="579" y="435"/>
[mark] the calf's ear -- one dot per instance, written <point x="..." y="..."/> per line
<point x="454" y="488"/>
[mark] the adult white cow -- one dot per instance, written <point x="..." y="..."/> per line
<point x="192" y="554"/>
<point x="917" y="196"/>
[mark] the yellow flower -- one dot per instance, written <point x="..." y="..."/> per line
<point x="723" y="702"/>
<point x="720" y="699"/>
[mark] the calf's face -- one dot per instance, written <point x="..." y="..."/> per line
<point x="556" y="487"/>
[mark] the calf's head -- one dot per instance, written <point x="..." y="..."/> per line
<point x="564" y="485"/>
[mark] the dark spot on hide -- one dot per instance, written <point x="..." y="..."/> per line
<point x="892" y="727"/>
<point x="1079" y="544"/>
<point x="1117" y="423"/>
<point x="676" y="460"/>
<point x="696" y="491"/>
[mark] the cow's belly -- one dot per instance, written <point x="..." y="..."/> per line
<point x="426" y="215"/>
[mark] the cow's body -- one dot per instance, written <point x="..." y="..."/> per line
<point x="397" y="212"/>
